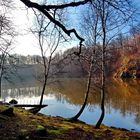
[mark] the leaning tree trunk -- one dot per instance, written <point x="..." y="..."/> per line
<point x="46" y="73"/>
<point x="102" y="88"/>
<point x="102" y="94"/>
<point x="86" y="93"/>
<point x="102" y="67"/>
<point x="0" y="87"/>
<point x="102" y="110"/>
<point x="43" y="90"/>
<point x="102" y="70"/>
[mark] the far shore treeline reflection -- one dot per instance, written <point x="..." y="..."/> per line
<point x="121" y="95"/>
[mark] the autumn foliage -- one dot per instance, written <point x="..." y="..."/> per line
<point x="129" y="61"/>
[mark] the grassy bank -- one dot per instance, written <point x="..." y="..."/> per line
<point x="23" y="125"/>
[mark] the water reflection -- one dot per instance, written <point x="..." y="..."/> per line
<point x="65" y="97"/>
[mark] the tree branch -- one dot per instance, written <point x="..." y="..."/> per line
<point x="45" y="8"/>
<point x="61" y="6"/>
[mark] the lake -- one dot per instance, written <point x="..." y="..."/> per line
<point x="65" y="96"/>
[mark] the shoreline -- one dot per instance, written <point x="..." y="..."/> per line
<point x="21" y="124"/>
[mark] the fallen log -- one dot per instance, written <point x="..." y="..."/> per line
<point x="29" y="105"/>
<point x="35" y="108"/>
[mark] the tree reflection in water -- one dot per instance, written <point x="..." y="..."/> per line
<point x="122" y="97"/>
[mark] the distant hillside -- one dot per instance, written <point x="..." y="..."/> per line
<point x="21" y="73"/>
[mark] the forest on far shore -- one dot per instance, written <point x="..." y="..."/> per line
<point x="122" y="59"/>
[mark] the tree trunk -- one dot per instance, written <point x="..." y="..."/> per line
<point x="43" y="90"/>
<point x="0" y="87"/>
<point x="103" y="19"/>
<point x="102" y="88"/>
<point x="86" y="94"/>
<point x="46" y="73"/>
<point x="102" y="110"/>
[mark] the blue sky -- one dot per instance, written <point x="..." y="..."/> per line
<point x="25" y="43"/>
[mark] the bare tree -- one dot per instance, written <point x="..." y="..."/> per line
<point x="6" y="36"/>
<point x="104" y="15"/>
<point x="112" y="17"/>
<point x="48" y="39"/>
<point x="90" y="59"/>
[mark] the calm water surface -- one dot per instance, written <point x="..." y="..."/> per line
<point x="65" y="96"/>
